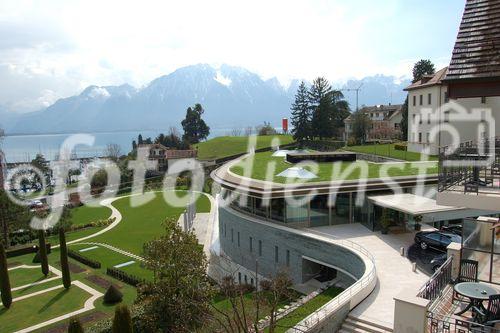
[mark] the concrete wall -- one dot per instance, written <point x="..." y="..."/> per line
<point x="286" y="240"/>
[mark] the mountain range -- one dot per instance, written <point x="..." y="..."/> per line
<point x="231" y="96"/>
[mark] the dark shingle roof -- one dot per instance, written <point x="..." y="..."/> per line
<point x="428" y="80"/>
<point x="477" y="49"/>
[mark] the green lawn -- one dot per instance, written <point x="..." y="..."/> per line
<point x="224" y="146"/>
<point x="23" y="276"/>
<point x="72" y="235"/>
<point x="389" y="151"/>
<point x="35" y="288"/>
<point x="263" y="161"/>
<point x="85" y="214"/>
<point x="143" y="223"/>
<point x="305" y="310"/>
<point x="34" y="310"/>
<point x="109" y="259"/>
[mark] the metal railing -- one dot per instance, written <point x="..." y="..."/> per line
<point x="438" y="324"/>
<point x="470" y="168"/>
<point x="434" y="287"/>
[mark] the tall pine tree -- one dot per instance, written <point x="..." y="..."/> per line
<point x="5" y="291"/>
<point x="301" y="114"/>
<point x="43" y="252"/>
<point x="320" y="107"/>
<point x="195" y="128"/>
<point x="66" y="277"/>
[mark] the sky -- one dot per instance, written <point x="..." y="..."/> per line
<point x="55" y="48"/>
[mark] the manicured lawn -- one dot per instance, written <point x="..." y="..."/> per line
<point x="34" y="310"/>
<point x="38" y="287"/>
<point x="224" y="146"/>
<point x="23" y="276"/>
<point x="263" y="161"/>
<point x="143" y="223"/>
<point x="85" y="214"/>
<point x="72" y="235"/>
<point x="389" y="151"/>
<point x="305" y="310"/>
<point x="109" y="259"/>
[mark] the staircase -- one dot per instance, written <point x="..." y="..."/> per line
<point x="357" y="325"/>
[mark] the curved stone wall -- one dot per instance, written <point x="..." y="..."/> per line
<point x="247" y="240"/>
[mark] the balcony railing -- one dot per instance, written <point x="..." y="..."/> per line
<point x="470" y="168"/>
<point x="438" y="324"/>
<point x="434" y="287"/>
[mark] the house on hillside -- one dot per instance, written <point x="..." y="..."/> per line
<point x="385" y="122"/>
<point x="164" y="155"/>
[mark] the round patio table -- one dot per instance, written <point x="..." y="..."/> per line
<point x="476" y="292"/>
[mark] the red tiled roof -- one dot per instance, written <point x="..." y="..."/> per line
<point x="476" y="54"/>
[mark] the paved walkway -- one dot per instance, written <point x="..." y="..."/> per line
<point x="394" y="272"/>
<point x="112" y="248"/>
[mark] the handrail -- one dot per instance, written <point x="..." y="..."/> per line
<point x="433" y="287"/>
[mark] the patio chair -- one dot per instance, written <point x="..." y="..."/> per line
<point x="468" y="273"/>
<point x="491" y="316"/>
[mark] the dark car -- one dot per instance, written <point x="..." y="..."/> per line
<point x="438" y="261"/>
<point x="436" y="239"/>
<point x="453" y="228"/>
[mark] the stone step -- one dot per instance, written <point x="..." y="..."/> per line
<point x="352" y="329"/>
<point x="362" y="327"/>
<point x="375" y="324"/>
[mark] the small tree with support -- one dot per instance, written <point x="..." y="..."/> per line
<point x="5" y="290"/>
<point x="44" y="261"/>
<point x="66" y="277"/>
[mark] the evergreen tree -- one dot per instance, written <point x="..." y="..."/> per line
<point x="301" y="114"/>
<point x="320" y="88"/>
<point x="195" y="128"/>
<point x="404" y="120"/>
<point x="139" y="139"/>
<point x="5" y="290"/>
<point x="322" y="119"/>
<point x="12" y="217"/>
<point x="122" y="322"/>
<point x="75" y="326"/>
<point x="319" y="106"/>
<point x="421" y="68"/>
<point x="43" y="252"/>
<point x="66" y="277"/>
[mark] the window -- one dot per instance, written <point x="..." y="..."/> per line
<point x="251" y="281"/>
<point x="421" y="99"/>
<point x="260" y="248"/>
<point x="428" y="138"/>
<point x="447" y="116"/>
<point x="276" y="254"/>
<point x="414" y="100"/>
<point x="446" y="97"/>
<point x="483" y="100"/>
<point x="246" y="280"/>
<point x="250" y="240"/>
<point x="420" y="137"/>
<point x="225" y="230"/>
<point x="396" y="125"/>
<point x="420" y="120"/>
<point x="428" y="119"/>
<point x="288" y="258"/>
<point x="429" y="99"/>
<point x="239" y="277"/>
<point x="232" y="236"/>
<point x="238" y="239"/>
<point x="414" y="116"/>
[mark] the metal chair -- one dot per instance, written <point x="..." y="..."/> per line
<point x="492" y="314"/>
<point x="468" y="273"/>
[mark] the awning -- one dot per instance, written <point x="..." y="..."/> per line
<point x="417" y="205"/>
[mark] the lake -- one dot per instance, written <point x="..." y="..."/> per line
<point x="23" y="148"/>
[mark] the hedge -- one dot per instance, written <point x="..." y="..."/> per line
<point x="25" y="250"/>
<point x="84" y="260"/>
<point x="401" y="147"/>
<point x="124" y="277"/>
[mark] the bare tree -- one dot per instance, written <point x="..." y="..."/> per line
<point x="236" y="132"/>
<point x="248" y="131"/>
<point x="113" y="151"/>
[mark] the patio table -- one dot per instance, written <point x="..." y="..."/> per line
<point x="476" y="292"/>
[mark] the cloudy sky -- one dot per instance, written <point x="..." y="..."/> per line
<point x="52" y="49"/>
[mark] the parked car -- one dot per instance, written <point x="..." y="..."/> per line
<point x="453" y="228"/>
<point x="438" y="261"/>
<point x="436" y="239"/>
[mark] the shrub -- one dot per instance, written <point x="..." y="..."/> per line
<point x="36" y="258"/>
<point x="113" y="295"/>
<point x="75" y="326"/>
<point x="265" y="285"/>
<point x="122" y="322"/>
<point x="125" y="277"/>
<point x="400" y="146"/>
<point x="84" y="260"/>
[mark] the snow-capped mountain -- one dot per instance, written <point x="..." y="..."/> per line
<point x="231" y="96"/>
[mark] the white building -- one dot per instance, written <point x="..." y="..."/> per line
<point x="385" y="122"/>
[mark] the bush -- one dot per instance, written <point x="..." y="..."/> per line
<point x="113" y="295"/>
<point x="266" y="285"/>
<point x="75" y="326"/>
<point x="124" y="277"/>
<point x="122" y="322"/>
<point x="400" y="146"/>
<point x="84" y="260"/>
<point x="36" y="258"/>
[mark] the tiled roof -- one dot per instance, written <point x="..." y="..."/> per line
<point x="394" y="108"/>
<point x="428" y="80"/>
<point x="477" y="49"/>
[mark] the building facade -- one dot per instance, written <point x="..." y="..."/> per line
<point x="385" y="122"/>
<point x="164" y="155"/>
